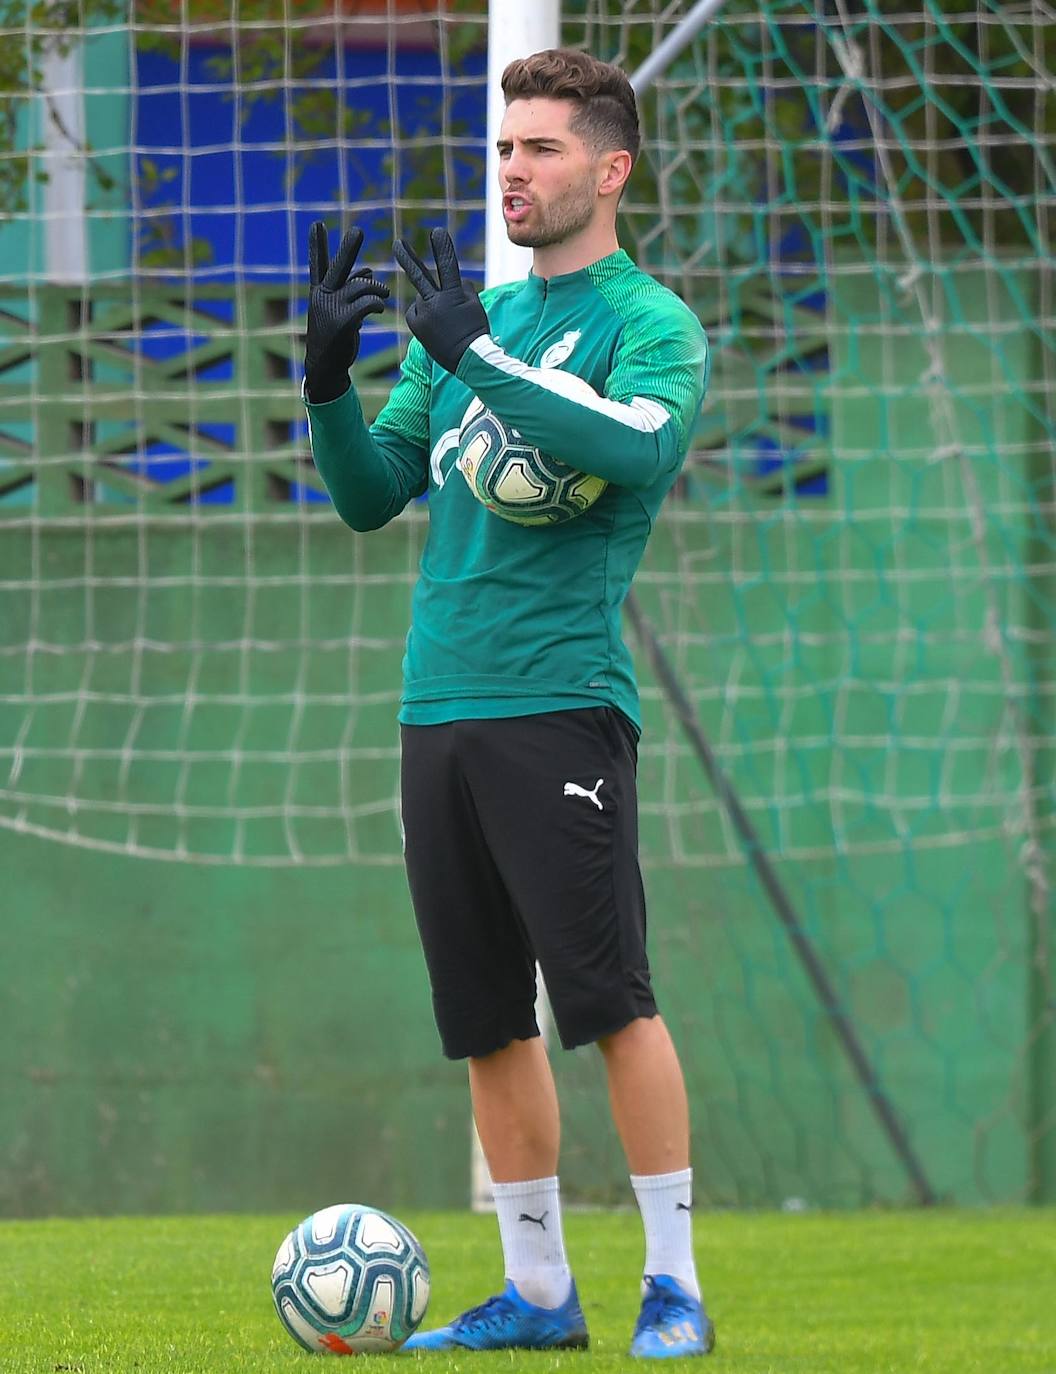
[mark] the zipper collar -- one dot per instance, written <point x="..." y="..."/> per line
<point x="603" y="270"/>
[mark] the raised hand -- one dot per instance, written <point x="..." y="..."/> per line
<point x="446" y="316"/>
<point x="338" y="303"/>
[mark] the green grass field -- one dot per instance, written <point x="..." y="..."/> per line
<point x="848" y="1293"/>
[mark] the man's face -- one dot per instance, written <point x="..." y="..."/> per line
<point x="548" y="176"/>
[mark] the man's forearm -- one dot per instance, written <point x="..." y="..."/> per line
<point x="630" y="445"/>
<point x="368" y="483"/>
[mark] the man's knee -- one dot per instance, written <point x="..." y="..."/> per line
<point x="641" y="1032"/>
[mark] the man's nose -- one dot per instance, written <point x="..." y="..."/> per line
<point x="514" y="169"/>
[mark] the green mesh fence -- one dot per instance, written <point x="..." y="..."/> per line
<point x="853" y="586"/>
<point x="855" y="591"/>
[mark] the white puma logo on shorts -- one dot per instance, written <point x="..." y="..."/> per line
<point x="573" y="789"/>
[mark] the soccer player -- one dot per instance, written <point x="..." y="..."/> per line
<point x="520" y="715"/>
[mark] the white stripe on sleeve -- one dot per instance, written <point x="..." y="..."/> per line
<point x="641" y="413"/>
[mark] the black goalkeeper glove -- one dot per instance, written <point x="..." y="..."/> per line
<point x="446" y="318"/>
<point x="337" y="306"/>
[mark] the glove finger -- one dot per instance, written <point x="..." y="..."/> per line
<point x="417" y="273"/>
<point x="363" y="300"/>
<point x="447" y="268"/>
<point x="352" y="322"/>
<point x="318" y="253"/>
<point x="359" y="289"/>
<point x="346" y="256"/>
<point x="372" y="305"/>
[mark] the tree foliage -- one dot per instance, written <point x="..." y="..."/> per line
<point x="782" y="124"/>
<point x="28" y="32"/>
<point x="270" y="59"/>
<point x="836" y="124"/>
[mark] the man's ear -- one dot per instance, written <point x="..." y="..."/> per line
<point x="616" y="168"/>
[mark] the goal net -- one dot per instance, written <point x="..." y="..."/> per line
<point x="852" y="584"/>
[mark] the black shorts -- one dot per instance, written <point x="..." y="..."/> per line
<point x="521" y="838"/>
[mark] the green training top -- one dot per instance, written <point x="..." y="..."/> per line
<point x="511" y="620"/>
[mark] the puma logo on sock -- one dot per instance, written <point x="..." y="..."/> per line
<point x="683" y="1206"/>
<point x="539" y="1221"/>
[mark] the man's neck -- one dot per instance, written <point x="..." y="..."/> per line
<point x="558" y="259"/>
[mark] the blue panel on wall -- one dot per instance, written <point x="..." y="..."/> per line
<point x="221" y="174"/>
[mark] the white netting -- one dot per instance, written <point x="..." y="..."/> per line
<point x="196" y="660"/>
<point x="853" y="580"/>
<point x="855" y="589"/>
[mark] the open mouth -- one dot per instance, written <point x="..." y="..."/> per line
<point x="515" y="207"/>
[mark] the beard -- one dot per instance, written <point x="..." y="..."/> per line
<point x="561" y="219"/>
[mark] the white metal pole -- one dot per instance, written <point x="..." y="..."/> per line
<point x="680" y="37"/>
<point x="516" y="28"/>
<point x="64" y="140"/>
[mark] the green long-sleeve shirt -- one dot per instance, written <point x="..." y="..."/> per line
<point x="511" y="620"/>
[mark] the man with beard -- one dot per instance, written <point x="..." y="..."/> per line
<point x="520" y="716"/>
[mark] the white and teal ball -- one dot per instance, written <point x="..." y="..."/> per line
<point x="350" y="1280"/>
<point x="514" y="479"/>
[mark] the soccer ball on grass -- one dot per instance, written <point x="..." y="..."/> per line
<point x="513" y="478"/>
<point x="350" y="1280"/>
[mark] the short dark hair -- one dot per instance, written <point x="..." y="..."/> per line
<point x="607" y="115"/>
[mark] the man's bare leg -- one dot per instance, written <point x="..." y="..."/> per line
<point x="648" y="1096"/>
<point x="651" y="1112"/>
<point x="516" y="1110"/>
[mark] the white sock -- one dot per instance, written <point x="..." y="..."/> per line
<point x="533" y="1245"/>
<point x="665" y="1201"/>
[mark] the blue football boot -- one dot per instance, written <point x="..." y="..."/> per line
<point x="507" y="1322"/>
<point x="671" y="1323"/>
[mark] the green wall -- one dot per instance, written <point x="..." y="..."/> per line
<point x="188" y="1039"/>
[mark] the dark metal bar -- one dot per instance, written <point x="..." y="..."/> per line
<point x="779" y="900"/>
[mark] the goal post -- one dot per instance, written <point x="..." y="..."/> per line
<point x="853" y="581"/>
<point x="514" y="30"/>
